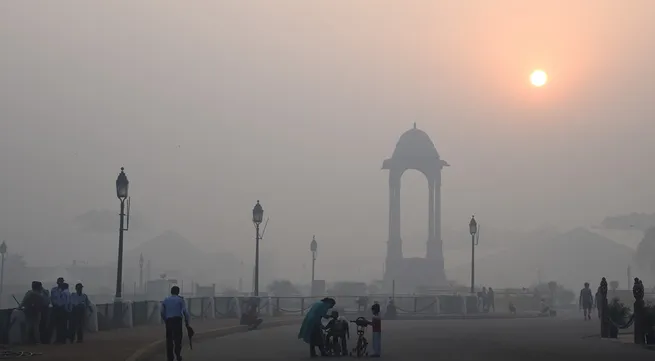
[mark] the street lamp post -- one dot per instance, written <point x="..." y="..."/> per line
<point x="3" y="252"/>
<point x="122" y="185"/>
<point x="314" y="248"/>
<point x="141" y="273"/>
<point x="257" y="217"/>
<point x="473" y="229"/>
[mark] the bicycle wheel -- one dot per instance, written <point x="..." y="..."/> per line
<point x="360" y="347"/>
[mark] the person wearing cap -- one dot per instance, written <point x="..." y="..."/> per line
<point x="173" y="308"/>
<point x="60" y="298"/>
<point x="80" y="305"/>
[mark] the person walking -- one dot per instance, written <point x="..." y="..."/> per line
<point x="491" y="299"/>
<point x="80" y="306"/>
<point x="173" y="308"/>
<point x="586" y="301"/>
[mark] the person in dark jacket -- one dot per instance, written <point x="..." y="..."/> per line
<point x="32" y="305"/>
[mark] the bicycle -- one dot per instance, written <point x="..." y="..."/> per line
<point x="361" y="349"/>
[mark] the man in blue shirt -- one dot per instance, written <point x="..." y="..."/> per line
<point x="173" y="308"/>
<point x="80" y="305"/>
<point x="60" y="298"/>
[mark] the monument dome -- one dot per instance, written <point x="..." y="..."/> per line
<point x="415" y="143"/>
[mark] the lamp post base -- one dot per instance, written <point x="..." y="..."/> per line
<point x="118" y="313"/>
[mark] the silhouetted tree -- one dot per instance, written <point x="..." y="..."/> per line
<point x="552" y="288"/>
<point x="614" y="285"/>
<point x="229" y="291"/>
<point x="283" y="288"/>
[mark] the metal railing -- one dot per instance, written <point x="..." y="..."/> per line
<point x="139" y="313"/>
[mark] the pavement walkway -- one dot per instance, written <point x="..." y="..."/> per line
<point x="119" y="344"/>
<point x="534" y="339"/>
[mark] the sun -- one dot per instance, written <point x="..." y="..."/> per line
<point x="538" y="78"/>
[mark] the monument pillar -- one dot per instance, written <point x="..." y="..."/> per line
<point x="395" y="243"/>
<point x="431" y="207"/>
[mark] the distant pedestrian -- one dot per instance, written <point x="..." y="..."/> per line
<point x="80" y="307"/>
<point x="173" y="308"/>
<point x="60" y="298"/>
<point x="491" y="299"/>
<point x="586" y="301"/>
<point x="32" y="305"/>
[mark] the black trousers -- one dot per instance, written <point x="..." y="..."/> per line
<point x="77" y="323"/>
<point x="316" y="341"/>
<point x="59" y="321"/>
<point x="174" y="338"/>
<point x="44" y="327"/>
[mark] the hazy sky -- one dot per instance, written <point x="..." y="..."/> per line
<point x="211" y="105"/>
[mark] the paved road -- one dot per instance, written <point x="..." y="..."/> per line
<point x="466" y="340"/>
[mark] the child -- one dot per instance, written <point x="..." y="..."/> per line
<point x="337" y="331"/>
<point x="376" y="323"/>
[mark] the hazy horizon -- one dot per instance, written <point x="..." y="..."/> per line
<point x="212" y="105"/>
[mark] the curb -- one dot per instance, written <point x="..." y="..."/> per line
<point x="462" y="317"/>
<point x="153" y="348"/>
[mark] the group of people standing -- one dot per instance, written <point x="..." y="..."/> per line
<point x="56" y="311"/>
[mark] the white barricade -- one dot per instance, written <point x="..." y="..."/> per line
<point x="17" y="327"/>
<point x="154" y="312"/>
<point x="92" y="319"/>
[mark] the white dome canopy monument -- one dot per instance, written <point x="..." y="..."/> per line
<point x="415" y="150"/>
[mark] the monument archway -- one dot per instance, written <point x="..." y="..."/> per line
<point x="415" y="150"/>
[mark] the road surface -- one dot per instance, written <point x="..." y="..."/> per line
<point x="467" y="340"/>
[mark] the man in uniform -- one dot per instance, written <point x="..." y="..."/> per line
<point x="173" y="308"/>
<point x="80" y="306"/>
<point x="60" y="298"/>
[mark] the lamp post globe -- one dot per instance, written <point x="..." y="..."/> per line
<point x="122" y="185"/>
<point x="257" y="214"/>
<point x="473" y="226"/>
<point x="313" y="246"/>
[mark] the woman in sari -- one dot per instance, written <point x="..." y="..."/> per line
<point x="311" y="331"/>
